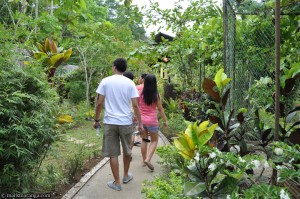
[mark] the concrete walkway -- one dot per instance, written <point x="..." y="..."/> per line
<point x="93" y="184"/>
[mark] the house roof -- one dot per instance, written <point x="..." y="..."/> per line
<point x="158" y="37"/>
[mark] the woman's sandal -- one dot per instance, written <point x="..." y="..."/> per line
<point x="149" y="165"/>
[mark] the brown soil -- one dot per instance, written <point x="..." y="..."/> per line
<point x="63" y="189"/>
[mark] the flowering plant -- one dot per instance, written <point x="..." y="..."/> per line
<point x="286" y="159"/>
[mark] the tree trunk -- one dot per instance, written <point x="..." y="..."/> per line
<point x="87" y="81"/>
<point x="36" y="15"/>
<point x="51" y="8"/>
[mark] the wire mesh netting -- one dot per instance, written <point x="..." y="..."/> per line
<point x="249" y="49"/>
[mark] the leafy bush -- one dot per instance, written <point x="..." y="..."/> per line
<point x="170" y="91"/>
<point x="76" y="91"/>
<point x="27" y="106"/>
<point x="170" y="186"/>
<point x="176" y="125"/>
<point x="266" y="191"/>
<point x="168" y="156"/>
<point x="194" y="105"/>
<point x="260" y="93"/>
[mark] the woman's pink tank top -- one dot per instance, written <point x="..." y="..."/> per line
<point x="148" y="113"/>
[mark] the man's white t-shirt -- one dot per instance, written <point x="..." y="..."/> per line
<point x="118" y="91"/>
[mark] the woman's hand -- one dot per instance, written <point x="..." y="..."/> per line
<point x="166" y="124"/>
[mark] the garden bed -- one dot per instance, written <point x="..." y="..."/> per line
<point x="75" y="153"/>
<point x="61" y="190"/>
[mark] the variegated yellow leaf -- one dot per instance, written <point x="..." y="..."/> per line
<point x="56" y="58"/>
<point x="203" y="125"/>
<point x="189" y="141"/>
<point x="189" y="130"/>
<point x="40" y="47"/>
<point x="67" y="55"/>
<point x="186" y="156"/>
<point x="218" y="78"/>
<point x="226" y="81"/>
<point x="213" y="127"/>
<point x="65" y="119"/>
<point x="47" y="45"/>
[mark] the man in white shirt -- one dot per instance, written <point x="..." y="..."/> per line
<point x="117" y="93"/>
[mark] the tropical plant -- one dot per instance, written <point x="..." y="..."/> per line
<point x="209" y="172"/>
<point x="264" y="133"/>
<point x="51" y="56"/>
<point x="194" y="138"/>
<point x="289" y="128"/>
<point x="220" y="114"/>
<point x="172" y="107"/>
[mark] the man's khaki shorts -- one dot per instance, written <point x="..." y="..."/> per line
<point x="112" y="136"/>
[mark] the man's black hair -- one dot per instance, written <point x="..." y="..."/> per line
<point x="120" y="64"/>
<point x="128" y="75"/>
<point x="143" y="75"/>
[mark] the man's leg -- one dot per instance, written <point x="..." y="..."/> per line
<point x="126" y="161"/>
<point x="114" y="165"/>
<point x="125" y="136"/>
<point x="111" y="148"/>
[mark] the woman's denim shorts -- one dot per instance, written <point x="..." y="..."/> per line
<point x="151" y="129"/>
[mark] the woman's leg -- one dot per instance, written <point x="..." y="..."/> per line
<point x="144" y="144"/>
<point x="152" y="146"/>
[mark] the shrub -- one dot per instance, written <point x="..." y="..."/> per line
<point x="76" y="91"/>
<point x="170" y="186"/>
<point x="176" y="125"/>
<point x="27" y="106"/>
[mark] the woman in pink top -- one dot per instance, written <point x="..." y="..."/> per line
<point x="149" y="103"/>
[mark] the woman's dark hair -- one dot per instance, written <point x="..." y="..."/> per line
<point x="150" y="92"/>
<point x="128" y="75"/>
<point x="120" y="64"/>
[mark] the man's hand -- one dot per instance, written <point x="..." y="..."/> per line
<point x="140" y="127"/>
<point x="134" y="119"/>
<point x="96" y="124"/>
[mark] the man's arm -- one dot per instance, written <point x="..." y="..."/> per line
<point x="137" y="113"/>
<point x="98" y="109"/>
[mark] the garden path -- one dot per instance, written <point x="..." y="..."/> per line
<point x="93" y="184"/>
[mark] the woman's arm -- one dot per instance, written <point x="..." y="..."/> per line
<point x="161" y="111"/>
